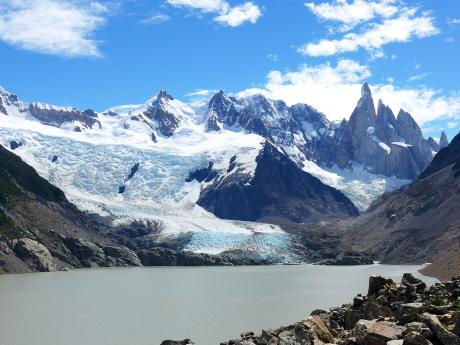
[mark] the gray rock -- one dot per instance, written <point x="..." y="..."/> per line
<point x="121" y="256"/>
<point x="413" y="338"/>
<point x="381" y="332"/>
<point x="361" y="329"/>
<point x="88" y="253"/>
<point x="350" y="318"/>
<point x="443" y="141"/>
<point x="443" y="335"/>
<point x="177" y="342"/>
<point x="34" y="254"/>
<point x="377" y="283"/>
<point x="372" y="310"/>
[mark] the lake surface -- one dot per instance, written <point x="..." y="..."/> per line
<point x="142" y="306"/>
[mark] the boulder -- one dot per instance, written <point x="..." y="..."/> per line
<point x="361" y="328"/>
<point x="409" y="279"/>
<point x="377" y="283"/>
<point x="381" y="332"/>
<point x="413" y="338"/>
<point x="419" y="327"/>
<point x="319" y="328"/>
<point x="373" y="310"/>
<point x="350" y="318"/>
<point x="457" y="327"/>
<point x="442" y="335"/>
<point x="177" y="342"/>
<point x="34" y="254"/>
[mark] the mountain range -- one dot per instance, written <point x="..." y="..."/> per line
<point x="230" y="175"/>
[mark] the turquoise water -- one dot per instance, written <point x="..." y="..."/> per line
<point x="142" y="306"/>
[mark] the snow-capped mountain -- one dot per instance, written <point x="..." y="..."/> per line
<point x="159" y="161"/>
<point x="382" y="143"/>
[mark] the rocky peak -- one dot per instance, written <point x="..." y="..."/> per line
<point x="408" y="129"/>
<point x="163" y="95"/>
<point x="160" y="111"/>
<point x="386" y="123"/>
<point x="6" y="99"/>
<point x="277" y="180"/>
<point x="443" y="141"/>
<point x="57" y="116"/>
<point x="366" y="91"/>
<point x="433" y="144"/>
<point x="219" y="103"/>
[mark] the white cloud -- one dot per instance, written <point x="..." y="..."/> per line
<point x="272" y="57"/>
<point x="354" y="12"/>
<point x="156" y="19"/>
<point x="57" y="27"/>
<point x="400" y="29"/>
<point x="226" y="14"/>
<point x="334" y="90"/>
<point x="453" y="21"/>
<point x="418" y="77"/>
<point x="201" y="93"/>
<point x="247" y="12"/>
<point x="202" y="5"/>
<point x="451" y="125"/>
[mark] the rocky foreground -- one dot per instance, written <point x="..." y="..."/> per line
<point x="406" y="313"/>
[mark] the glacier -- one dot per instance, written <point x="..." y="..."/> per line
<point x="91" y="165"/>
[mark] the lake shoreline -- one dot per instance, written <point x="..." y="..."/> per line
<point x="393" y="313"/>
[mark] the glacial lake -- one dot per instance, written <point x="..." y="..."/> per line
<point x="143" y="306"/>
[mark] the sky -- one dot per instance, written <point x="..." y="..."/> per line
<point x="98" y="54"/>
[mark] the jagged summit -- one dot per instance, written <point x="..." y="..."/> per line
<point x="366" y="91"/>
<point x="443" y="141"/>
<point x="164" y="95"/>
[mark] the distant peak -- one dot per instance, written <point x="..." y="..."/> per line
<point x="443" y="141"/>
<point x="164" y="95"/>
<point x="4" y="92"/>
<point x="366" y="91"/>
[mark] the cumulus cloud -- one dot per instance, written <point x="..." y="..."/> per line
<point x="228" y="15"/>
<point x="383" y="22"/>
<point x="247" y="12"/>
<point x="58" y="27"/>
<point x="352" y="13"/>
<point x="334" y="90"/>
<point x="400" y="29"/>
<point x="202" y="5"/>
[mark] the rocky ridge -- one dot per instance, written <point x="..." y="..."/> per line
<point x="405" y="313"/>
<point x="277" y="192"/>
<point x="383" y="143"/>
<point x="419" y="222"/>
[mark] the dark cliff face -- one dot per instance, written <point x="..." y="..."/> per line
<point x="447" y="156"/>
<point x="40" y="230"/>
<point x="420" y="221"/>
<point x="279" y="192"/>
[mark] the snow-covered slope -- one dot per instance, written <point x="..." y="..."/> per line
<point x="132" y="162"/>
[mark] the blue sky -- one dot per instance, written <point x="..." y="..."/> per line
<point x="98" y="54"/>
